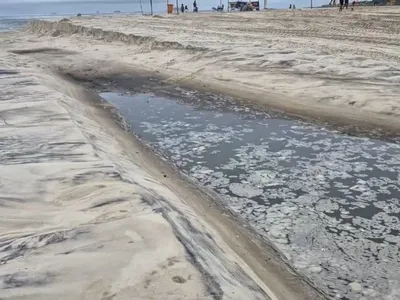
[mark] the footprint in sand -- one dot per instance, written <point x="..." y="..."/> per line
<point x="178" y="279"/>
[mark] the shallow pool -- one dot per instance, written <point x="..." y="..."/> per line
<point x="329" y="201"/>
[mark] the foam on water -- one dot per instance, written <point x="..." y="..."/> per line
<point x="9" y="24"/>
<point x="328" y="200"/>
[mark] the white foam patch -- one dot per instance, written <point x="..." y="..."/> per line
<point x="244" y="190"/>
<point x="327" y="200"/>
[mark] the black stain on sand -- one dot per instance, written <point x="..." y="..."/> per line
<point x="195" y="257"/>
<point x="108" y="202"/>
<point x="24" y="279"/>
<point x="213" y="286"/>
<point x="178" y="279"/>
<point x="14" y="248"/>
<point x="7" y="72"/>
<point x="44" y="50"/>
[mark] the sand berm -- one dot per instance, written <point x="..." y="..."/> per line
<point x="340" y="67"/>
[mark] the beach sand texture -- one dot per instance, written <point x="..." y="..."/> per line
<point x="71" y="228"/>
<point x="104" y="227"/>
<point x="87" y="212"/>
<point x="312" y="62"/>
<point x="80" y="220"/>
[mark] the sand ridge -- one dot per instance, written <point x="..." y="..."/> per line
<point x="306" y="60"/>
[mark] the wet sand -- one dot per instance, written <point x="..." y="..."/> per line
<point x="89" y="212"/>
<point x="318" y="63"/>
<point x="326" y="199"/>
<point x="73" y="226"/>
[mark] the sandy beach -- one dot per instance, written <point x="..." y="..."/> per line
<point x="71" y="226"/>
<point x="88" y="212"/>
<point x="80" y="220"/>
<point x="318" y="63"/>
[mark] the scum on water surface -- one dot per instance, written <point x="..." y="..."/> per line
<point x="329" y="201"/>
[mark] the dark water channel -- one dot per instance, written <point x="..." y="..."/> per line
<point x="329" y="201"/>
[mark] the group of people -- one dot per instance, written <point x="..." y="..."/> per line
<point x="184" y="8"/>
<point x="343" y="4"/>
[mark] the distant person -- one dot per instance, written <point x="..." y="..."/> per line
<point x="341" y="5"/>
<point x="182" y="8"/>
<point x="219" y="8"/>
<point x="186" y="9"/>
<point x="346" y="4"/>
<point x="194" y="5"/>
<point x="290" y="6"/>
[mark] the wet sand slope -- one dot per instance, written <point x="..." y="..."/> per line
<point x="326" y="199"/>
<point x="85" y="215"/>
<point x="71" y="227"/>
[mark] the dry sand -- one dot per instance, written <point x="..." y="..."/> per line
<point x="319" y="63"/>
<point x="71" y="226"/>
<point x="88" y="213"/>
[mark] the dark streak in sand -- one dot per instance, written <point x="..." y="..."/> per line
<point x="17" y="247"/>
<point x="196" y="258"/>
<point x="7" y="72"/>
<point x="23" y="279"/>
<point x="109" y="202"/>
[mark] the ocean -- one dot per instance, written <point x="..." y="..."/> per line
<point x="14" y="15"/>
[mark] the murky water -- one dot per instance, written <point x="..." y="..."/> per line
<point x="329" y="201"/>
